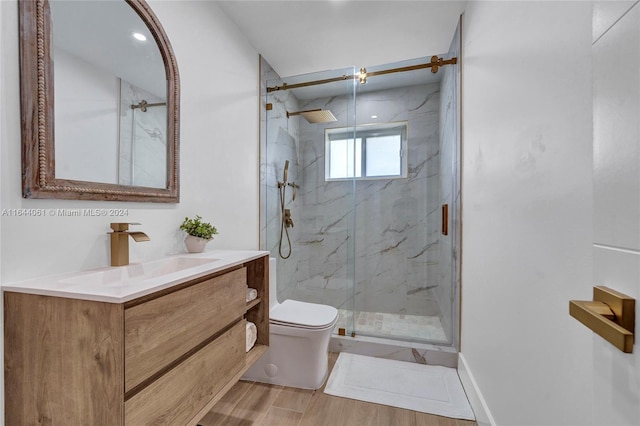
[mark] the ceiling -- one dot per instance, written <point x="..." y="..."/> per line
<point x="304" y="36"/>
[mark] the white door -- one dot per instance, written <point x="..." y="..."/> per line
<point x="616" y="180"/>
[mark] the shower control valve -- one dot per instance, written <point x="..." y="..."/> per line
<point x="288" y="222"/>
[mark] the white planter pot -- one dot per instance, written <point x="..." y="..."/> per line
<point x="195" y="244"/>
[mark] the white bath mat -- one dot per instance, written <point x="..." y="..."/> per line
<point x="426" y="388"/>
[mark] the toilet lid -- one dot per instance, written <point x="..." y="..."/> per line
<point x="303" y="314"/>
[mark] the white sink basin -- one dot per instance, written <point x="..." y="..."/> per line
<point x="137" y="272"/>
<point x="119" y="284"/>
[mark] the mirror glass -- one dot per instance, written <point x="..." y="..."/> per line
<point x="105" y="125"/>
<point x="111" y="94"/>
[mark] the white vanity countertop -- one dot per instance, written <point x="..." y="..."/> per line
<point x="118" y="284"/>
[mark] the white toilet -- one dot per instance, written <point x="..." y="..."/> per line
<point x="298" y="342"/>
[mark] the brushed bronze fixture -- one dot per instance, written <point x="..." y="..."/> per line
<point x="286" y="220"/>
<point x="292" y="114"/>
<point x="315" y="116"/>
<point x="269" y="106"/>
<point x="295" y="187"/>
<point x="286" y="86"/>
<point x="342" y="332"/>
<point x="435" y="65"/>
<point x="120" y="242"/>
<point x="363" y="75"/>
<point x="445" y="219"/>
<point x="611" y="314"/>
<point x="143" y="105"/>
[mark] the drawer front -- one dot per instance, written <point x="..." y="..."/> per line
<point x="161" y="330"/>
<point x="63" y="361"/>
<point x="182" y="392"/>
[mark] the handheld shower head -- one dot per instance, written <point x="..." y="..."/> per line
<point x="286" y="171"/>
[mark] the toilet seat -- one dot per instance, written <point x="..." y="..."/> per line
<point x="293" y="313"/>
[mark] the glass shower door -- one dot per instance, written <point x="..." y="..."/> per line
<point x="406" y="123"/>
<point x="315" y="261"/>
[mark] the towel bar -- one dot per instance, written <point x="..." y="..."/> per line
<point x="611" y="314"/>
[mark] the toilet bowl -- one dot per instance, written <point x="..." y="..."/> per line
<point x="299" y="334"/>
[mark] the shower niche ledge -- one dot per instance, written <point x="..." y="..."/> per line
<point x="162" y="356"/>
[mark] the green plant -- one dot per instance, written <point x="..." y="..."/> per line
<point x="197" y="228"/>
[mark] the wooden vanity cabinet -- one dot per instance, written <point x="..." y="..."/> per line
<point x="164" y="358"/>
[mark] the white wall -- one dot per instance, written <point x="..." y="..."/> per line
<point x="87" y="118"/>
<point x="527" y="202"/>
<point x="219" y="154"/>
<point x="616" y="184"/>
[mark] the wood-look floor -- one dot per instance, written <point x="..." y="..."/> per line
<point x="249" y="403"/>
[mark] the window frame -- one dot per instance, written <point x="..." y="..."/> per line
<point x="363" y="132"/>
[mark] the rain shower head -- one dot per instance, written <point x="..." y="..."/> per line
<point x="315" y="116"/>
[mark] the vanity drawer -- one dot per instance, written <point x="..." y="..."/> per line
<point x="161" y="330"/>
<point x="176" y="396"/>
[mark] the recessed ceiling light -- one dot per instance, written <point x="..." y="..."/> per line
<point x="374" y="116"/>
<point x="139" y="36"/>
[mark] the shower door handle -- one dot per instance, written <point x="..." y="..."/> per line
<point x="445" y="219"/>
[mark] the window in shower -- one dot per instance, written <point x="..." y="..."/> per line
<point x="377" y="151"/>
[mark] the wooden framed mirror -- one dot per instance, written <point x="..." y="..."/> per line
<point x="79" y="137"/>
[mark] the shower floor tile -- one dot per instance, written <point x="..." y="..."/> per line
<point x="399" y="326"/>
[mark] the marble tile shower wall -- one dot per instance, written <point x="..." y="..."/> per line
<point x="397" y="220"/>
<point x="143" y="139"/>
<point x="281" y="134"/>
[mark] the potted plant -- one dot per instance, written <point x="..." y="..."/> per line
<point x="199" y="233"/>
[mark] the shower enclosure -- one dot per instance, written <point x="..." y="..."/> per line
<point x="371" y="202"/>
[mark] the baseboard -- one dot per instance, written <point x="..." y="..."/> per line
<point x="478" y="404"/>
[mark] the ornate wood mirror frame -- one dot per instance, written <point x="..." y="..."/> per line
<point x="37" y="105"/>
